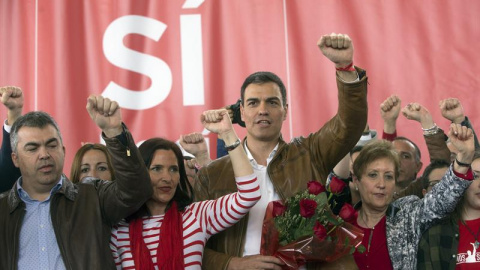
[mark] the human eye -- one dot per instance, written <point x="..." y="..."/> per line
<point x="174" y="169"/>
<point x="31" y="148"/>
<point x="405" y="156"/>
<point x="389" y="177"/>
<point x="102" y="168"/>
<point x="274" y="102"/>
<point x="52" y="145"/>
<point x="372" y="174"/>
<point x="84" y="170"/>
<point x="251" y="102"/>
<point x="156" y="168"/>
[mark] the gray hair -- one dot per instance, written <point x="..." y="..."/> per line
<point x="36" y="119"/>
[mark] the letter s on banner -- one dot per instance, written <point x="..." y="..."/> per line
<point x="119" y="55"/>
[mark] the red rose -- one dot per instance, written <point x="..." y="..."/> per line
<point x="307" y="207"/>
<point x="278" y="208"/>
<point x="319" y="230"/>
<point x="315" y="187"/>
<point x="337" y="185"/>
<point x="347" y="212"/>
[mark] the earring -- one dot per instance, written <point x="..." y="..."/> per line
<point x="356" y="188"/>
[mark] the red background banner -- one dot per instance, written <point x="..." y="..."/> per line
<point x="167" y="61"/>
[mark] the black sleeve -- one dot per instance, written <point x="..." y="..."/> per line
<point x="8" y="172"/>
<point x="468" y="124"/>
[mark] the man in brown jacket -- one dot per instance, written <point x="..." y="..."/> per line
<point x="283" y="169"/>
<point x="49" y="223"/>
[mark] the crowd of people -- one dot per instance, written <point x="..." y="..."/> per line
<point x="153" y="207"/>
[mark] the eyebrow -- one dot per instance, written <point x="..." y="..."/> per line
<point x="267" y="99"/>
<point x="273" y="98"/>
<point x="37" y="144"/>
<point x="253" y="99"/>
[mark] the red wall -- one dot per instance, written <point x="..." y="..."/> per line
<point x="60" y="52"/>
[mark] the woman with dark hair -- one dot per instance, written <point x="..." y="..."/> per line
<point x="455" y="243"/>
<point x="169" y="231"/>
<point x="92" y="160"/>
<point x="392" y="230"/>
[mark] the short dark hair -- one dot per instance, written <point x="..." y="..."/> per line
<point x="418" y="155"/>
<point x="36" y="119"/>
<point x="435" y="164"/>
<point x="372" y="151"/>
<point x="262" y="77"/>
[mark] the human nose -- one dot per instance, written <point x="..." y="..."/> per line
<point x="381" y="182"/>
<point x="93" y="173"/>
<point x="44" y="154"/>
<point x="262" y="108"/>
<point x="166" y="177"/>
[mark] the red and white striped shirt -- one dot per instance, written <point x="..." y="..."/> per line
<point x="201" y="220"/>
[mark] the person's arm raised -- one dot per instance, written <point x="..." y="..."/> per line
<point x="338" y="48"/>
<point x="132" y="187"/>
<point x="218" y="121"/>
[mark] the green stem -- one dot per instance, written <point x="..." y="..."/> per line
<point x="331" y="230"/>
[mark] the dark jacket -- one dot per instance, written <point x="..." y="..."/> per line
<point x="294" y="164"/>
<point x="82" y="215"/>
<point x="439" y="246"/>
<point x="8" y="172"/>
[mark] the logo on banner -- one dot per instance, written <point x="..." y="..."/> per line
<point x="155" y="68"/>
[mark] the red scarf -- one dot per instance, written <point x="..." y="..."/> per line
<point x="170" y="248"/>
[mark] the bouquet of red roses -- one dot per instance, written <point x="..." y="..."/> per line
<point x="303" y="229"/>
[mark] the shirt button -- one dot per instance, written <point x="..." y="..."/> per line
<point x="41" y="225"/>
<point x="456" y="235"/>
<point x="43" y="248"/>
<point x="453" y="256"/>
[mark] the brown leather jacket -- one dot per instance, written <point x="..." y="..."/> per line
<point x="294" y="164"/>
<point x="82" y="215"/>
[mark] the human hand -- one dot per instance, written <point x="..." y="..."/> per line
<point x="217" y="121"/>
<point x="416" y="112"/>
<point x="12" y="98"/>
<point x="255" y="262"/>
<point x="452" y="109"/>
<point x="106" y="115"/>
<point x="229" y="110"/>
<point x="463" y="140"/>
<point x="338" y="48"/>
<point x="195" y="144"/>
<point x="390" y="108"/>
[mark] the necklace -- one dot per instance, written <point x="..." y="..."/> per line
<point x="371" y="232"/>
<point x="477" y="243"/>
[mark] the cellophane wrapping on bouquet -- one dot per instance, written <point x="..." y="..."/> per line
<point x="341" y="241"/>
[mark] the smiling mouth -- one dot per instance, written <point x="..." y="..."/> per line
<point x="263" y="122"/>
